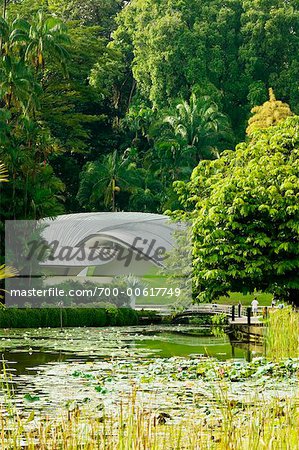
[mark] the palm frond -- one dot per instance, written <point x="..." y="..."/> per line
<point x="3" y="173"/>
<point x="7" y="272"/>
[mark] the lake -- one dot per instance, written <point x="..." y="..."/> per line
<point x="26" y="349"/>
<point x="172" y="368"/>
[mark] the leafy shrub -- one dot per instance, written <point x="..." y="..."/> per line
<point x="71" y="317"/>
<point x="220" y="319"/>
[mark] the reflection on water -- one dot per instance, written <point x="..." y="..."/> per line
<point x="23" y="362"/>
<point x="159" y="341"/>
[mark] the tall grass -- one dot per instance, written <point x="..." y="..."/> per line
<point x="230" y="425"/>
<point x="282" y="334"/>
<point x="272" y="425"/>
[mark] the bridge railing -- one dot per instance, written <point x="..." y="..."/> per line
<point x="209" y="307"/>
<point x="230" y="310"/>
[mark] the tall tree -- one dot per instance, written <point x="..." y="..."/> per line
<point x="197" y="127"/>
<point x="175" y="46"/>
<point x="5" y="271"/>
<point x="45" y="37"/>
<point x="269" y="48"/>
<point x="18" y="87"/>
<point x="230" y="48"/>
<point x="103" y="179"/>
<point x="245" y="214"/>
<point x="25" y="144"/>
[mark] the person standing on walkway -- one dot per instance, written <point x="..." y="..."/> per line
<point x="254" y="305"/>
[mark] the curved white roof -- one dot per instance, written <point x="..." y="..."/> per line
<point x="137" y="231"/>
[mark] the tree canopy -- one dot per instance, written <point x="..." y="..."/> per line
<point x="245" y="212"/>
<point x="172" y="80"/>
<point x="268" y="114"/>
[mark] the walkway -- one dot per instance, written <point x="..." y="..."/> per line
<point x="206" y="308"/>
<point x="243" y="320"/>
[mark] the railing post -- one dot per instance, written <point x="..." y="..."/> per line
<point x="265" y="312"/>
<point x="248" y="315"/>
<point x="233" y="313"/>
<point x="239" y="309"/>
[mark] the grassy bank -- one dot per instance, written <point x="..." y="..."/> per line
<point x="232" y="299"/>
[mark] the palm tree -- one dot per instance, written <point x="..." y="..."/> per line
<point x="13" y="36"/>
<point x="7" y="272"/>
<point x="17" y="85"/>
<point x="102" y="179"/>
<point x="46" y="36"/>
<point x="196" y="128"/>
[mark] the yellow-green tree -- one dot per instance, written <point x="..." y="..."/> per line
<point x="268" y="114"/>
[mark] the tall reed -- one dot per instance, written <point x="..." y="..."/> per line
<point x="231" y="426"/>
<point x="282" y="334"/>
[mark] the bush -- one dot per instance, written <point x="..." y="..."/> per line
<point x="150" y="317"/>
<point x="71" y="317"/>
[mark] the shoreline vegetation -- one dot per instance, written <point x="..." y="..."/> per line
<point x="54" y="317"/>
<point x="282" y="334"/>
<point x="99" y="315"/>
<point x="270" y="425"/>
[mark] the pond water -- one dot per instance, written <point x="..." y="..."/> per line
<point x="25" y="349"/>
<point x="172" y="368"/>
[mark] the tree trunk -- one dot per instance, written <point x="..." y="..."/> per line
<point x="132" y="301"/>
<point x="113" y="194"/>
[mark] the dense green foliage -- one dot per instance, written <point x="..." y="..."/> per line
<point x="245" y="212"/>
<point x="88" y="87"/>
<point x="105" y="103"/>
<point x="71" y="317"/>
<point x="232" y="50"/>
